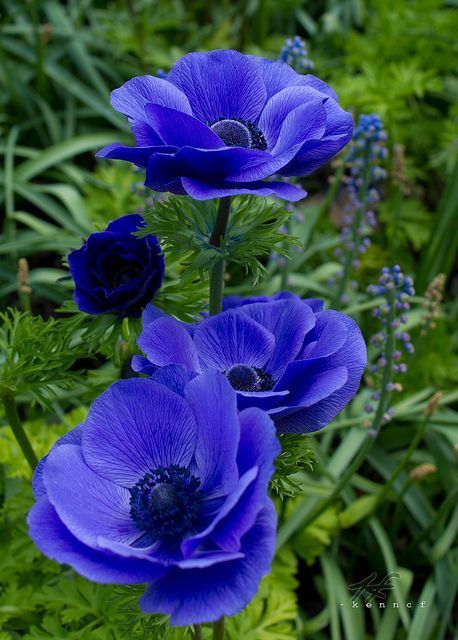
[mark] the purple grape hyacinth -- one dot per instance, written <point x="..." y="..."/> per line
<point x="222" y="122"/>
<point x="284" y="355"/>
<point x="165" y="489"/>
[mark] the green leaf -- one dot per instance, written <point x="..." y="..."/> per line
<point x="357" y="510"/>
<point x="60" y="152"/>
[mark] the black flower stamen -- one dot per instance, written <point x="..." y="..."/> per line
<point x="166" y="503"/>
<point x="239" y="133"/>
<point x="245" y="378"/>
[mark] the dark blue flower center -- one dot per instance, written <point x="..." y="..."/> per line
<point x="245" y="378"/>
<point x="125" y="274"/>
<point x="239" y="133"/>
<point x="166" y="503"/>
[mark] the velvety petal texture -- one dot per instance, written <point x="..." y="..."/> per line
<point x="115" y="271"/>
<point x="223" y="123"/>
<point x="165" y="483"/>
<point x="284" y="355"/>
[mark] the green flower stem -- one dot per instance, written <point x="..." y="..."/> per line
<point x="387" y="377"/>
<point x="297" y="520"/>
<point x="287" y="266"/>
<point x="334" y="188"/>
<point x="197" y="632"/>
<point x="358" y="218"/>
<point x="18" y="430"/>
<point x="418" y="437"/>
<point x="218" y="629"/>
<point x="217" y="271"/>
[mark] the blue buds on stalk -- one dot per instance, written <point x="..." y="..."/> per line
<point x="295" y="54"/>
<point x="396" y="289"/>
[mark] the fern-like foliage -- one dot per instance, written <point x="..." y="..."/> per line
<point x="37" y="356"/>
<point x="254" y="230"/>
<point x="296" y="455"/>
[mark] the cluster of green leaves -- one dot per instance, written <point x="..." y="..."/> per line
<point x="254" y="230"/>
<point x="296" y="456"/>
<point x="37" y="356"/>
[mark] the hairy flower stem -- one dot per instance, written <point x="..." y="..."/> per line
<point x="297" y="520"/>
<point x="357" y="220"/>
<point x="18" y="430"/>
<point x="218" y="629"/>
<point x="217" y="272"/>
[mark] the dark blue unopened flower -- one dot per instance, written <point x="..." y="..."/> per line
<point x="116" y="272"/>
<point x="222" y="122"/>
<point x="284" y="355"/>
<point x="167" y="489"/>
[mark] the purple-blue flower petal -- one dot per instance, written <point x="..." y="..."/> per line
<point x="276" y="75"/>
<point x="310" y="80"/>
<point x="231" y="338"/>
<point x="220" y="84"/>
<point x="88" y="505"/>
<point x="173" y="376"/>
<point x="201" y="164"/>
<point x="131" y="98"/>
<point x="306" y="122"/>
<point x="140" y="364"/>
<point x="166" y="341"/>
<point x="55" y="541"/>
<point x="202" y="191"/>
<point x="264" y="400"/>
<point x="135" y="426"/>
<point x="280" y="105"/>
<point x="289" y="321"/>
<point x="180" y="129"/>
<point x="223" y="589"/>
<point x="313" y="154"/>
<point x="258" y="449"/>
<point x="328" y="335"/>
<point x="137" y="155"/>
<point x="309" y="382"/>
<point x="72" y="437"/>
<point x="243" y="484"/>
<point x="214" y="404"/>
<point x="352" y="355"/>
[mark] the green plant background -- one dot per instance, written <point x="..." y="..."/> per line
<point x="58" y="63"/>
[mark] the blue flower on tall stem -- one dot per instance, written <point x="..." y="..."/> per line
<point x="286" y="356"/>
<point x="222" y="122"/>
<point x="116" y="272"/>
<point x="167" y="490"/>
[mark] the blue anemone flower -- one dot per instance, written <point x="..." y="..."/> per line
<point x="284" y="355"/>
<point x="222" y="122"/>
<point x="160" y="488"/>
<point x="116" y="272"/>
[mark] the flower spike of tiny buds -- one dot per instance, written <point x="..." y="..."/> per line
<point x="364" y="172"/>
<point x="396" y="289"/>
<point x="295" y="54"/>
<point x="433" y="297"/>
